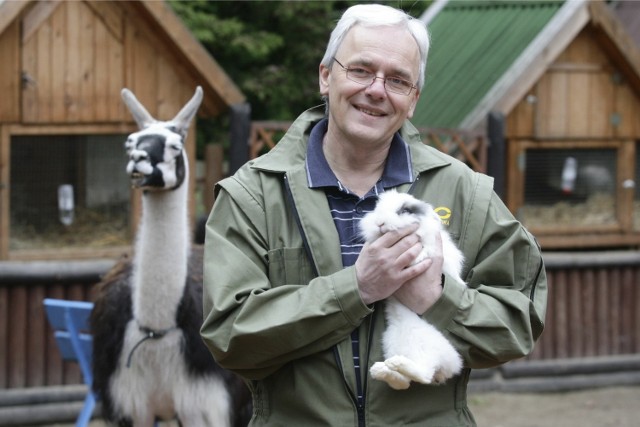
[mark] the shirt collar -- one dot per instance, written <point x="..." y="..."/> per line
<point x="397" y="170"/>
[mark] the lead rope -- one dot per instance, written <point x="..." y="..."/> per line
<point x="149" y="334"/>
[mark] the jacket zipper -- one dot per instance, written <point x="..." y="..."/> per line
<point x="360" y="407"/>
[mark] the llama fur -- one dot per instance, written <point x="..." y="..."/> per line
<point x="414" y="350"/>
<point x="149" y="362"/>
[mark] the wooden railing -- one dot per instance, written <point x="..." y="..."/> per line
<point x="468" y="147"/>
<point x="264" y="135"/>
<point x="592" y="312"/>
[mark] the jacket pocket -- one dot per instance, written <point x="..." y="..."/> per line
<point x="289" y="266"/>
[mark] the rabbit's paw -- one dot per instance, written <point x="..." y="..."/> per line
<point x="380" y="371"/>
<point x="449" y="367"/>
<point x="410" y="369"/>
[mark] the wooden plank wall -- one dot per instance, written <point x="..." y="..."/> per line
<point x="73" y="58"/>
<point x="29" y="356"/>
<point x="591" y="312"/>
<point x="77" y="56"/>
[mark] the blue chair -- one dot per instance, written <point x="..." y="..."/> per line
<point x="70" y="321"/>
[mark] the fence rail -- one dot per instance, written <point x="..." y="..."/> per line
<point x="29" y="355"/>
<point x="466" y="146"/>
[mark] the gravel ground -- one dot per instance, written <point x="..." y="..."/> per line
<point x="602" y="407"/>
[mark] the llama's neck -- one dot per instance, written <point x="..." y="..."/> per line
<point x="160" y="258"/>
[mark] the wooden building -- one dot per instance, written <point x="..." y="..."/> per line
<point x="62" y="121"/>
<point x="565" y="76"/>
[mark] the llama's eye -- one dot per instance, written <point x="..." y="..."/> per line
<point x="176" y="147"/>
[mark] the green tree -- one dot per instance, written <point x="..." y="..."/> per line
<point x="270" y="49"/>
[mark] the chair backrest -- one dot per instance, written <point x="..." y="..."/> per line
<point x="70" y="321"/>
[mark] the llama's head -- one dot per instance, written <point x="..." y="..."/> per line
<point x="157" y="159"/>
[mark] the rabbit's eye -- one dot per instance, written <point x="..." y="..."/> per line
<point x="405" y="211"/>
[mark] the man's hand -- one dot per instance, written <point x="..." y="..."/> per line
<point x="421" y="292"/>
<point x="385" y="265"/>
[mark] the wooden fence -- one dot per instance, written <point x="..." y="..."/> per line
<point x="466" y="146"/>
<point x="592" y="306"/>
<point x="592" y="311"/>
<point x="29" y="356"/>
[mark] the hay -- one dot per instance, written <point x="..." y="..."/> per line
<point x="91" y="229"/>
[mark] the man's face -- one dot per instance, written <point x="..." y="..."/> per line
<point x="370" y="114"/>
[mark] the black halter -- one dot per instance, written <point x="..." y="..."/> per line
<point x="149" y="334"/>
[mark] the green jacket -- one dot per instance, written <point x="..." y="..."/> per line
<point x="279" y="306"/>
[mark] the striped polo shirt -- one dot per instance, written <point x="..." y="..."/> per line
<point x="347" y="208"/>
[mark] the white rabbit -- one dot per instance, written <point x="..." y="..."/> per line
<point x="413" y="348"/>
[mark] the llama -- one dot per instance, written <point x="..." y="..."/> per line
<point x="149" y="362"/>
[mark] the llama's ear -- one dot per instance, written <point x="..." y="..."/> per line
<point x="139" y="113"/>
<point x="182" y="120"/>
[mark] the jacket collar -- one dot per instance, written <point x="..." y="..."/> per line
<point x="290" y="152"/>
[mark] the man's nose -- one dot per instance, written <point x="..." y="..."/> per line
<point x="377" y="85"/>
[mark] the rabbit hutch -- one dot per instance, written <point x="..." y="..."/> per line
<point x="555" y="87"/>
<point x="67" y="211"/>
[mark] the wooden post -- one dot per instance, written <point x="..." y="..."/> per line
<point x="240" y="131"/>
<point x="496" y="162"/>
<point x="213" y="159"/>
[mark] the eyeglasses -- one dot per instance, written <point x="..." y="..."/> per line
<point x="366" y="77"/>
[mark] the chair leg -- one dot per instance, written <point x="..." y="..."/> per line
<point x="87" y="410"/>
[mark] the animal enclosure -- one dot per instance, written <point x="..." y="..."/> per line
<point x="63" y="187"/>
<point x="574" y="151"/>
<point x="95" y="211"/>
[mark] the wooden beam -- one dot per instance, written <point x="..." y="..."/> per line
<point x="5" y="140"/>
<point x="36" y="16"/>
<point x="617" y="42"/>
<point x="587" y="241"/>
<point x="80" y="129"/>
<point x="9" y="11"/>
<point x="111" y="14"/>
<point x="10" y="75"/>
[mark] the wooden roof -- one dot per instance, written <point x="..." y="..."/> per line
<point x="143" y="45"/>
<point x="491" y="65"/>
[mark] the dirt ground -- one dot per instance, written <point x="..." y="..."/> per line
<point x="601" y="407"/>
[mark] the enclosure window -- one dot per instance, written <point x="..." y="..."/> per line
<point x="569" y="188"/>
<point x="68" y="192"/>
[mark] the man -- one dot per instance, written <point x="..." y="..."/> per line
<point x="293" y="298"/>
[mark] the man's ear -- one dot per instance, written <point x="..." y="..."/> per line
<point x="323" y="78"/>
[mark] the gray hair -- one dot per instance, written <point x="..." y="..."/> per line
<point x="372" y="15"/>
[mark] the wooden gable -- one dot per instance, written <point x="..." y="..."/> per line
<point x="582" y="94"/>
<point x="68" y="61"/>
